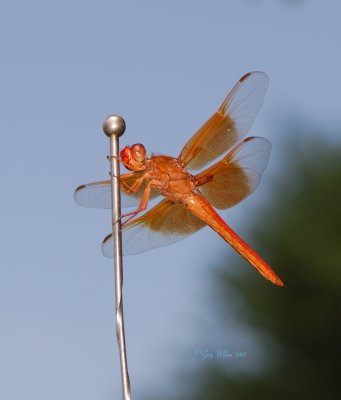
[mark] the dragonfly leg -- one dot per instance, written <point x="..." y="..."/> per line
<point x="143" y="205"/>
<point x="135" y="187"/>
<point x="124" y="185"/>
<point x="115" y="158"/>
<point x="120" y="161"/>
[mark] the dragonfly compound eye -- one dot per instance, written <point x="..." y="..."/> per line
<point x="126" y="155"/>
<point x="139" y="152"/>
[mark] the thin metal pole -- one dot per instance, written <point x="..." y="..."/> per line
<point x="114" y="126"/>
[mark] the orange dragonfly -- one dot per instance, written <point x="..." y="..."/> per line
<point x="190" y="198"/>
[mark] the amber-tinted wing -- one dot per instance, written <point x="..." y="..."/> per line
<point x="98" y="194"/>
<point x="164" y="224"/>
<point x="229" y="124"/>
<point x="237" y="175"/>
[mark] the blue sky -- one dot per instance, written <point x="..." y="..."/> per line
<point x="165" y="66"/>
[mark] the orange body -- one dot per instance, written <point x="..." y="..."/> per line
<point x="166" y="175"/>
<point x="190" y="199"/>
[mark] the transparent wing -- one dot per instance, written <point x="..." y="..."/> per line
<point x="98" y="194"/>
<point x="237" y="175"/>
<point x="229" y="124"/>
<point x="164" y="224"/>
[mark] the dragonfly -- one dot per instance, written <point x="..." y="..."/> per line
<point x="193" y="185"/>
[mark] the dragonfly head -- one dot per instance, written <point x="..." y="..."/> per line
<point x="134" y="157"/>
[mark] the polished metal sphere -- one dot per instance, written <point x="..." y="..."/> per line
<point x="114" y="125"/>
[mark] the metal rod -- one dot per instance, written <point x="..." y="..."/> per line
<point x="114" y="126"/>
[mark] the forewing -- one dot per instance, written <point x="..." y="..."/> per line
<point x="98" y="194"/>
<point x="164" y="224"/>
<point x="237" y="175"/>
<point x="229" y="124"/>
